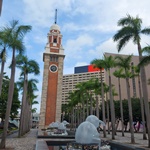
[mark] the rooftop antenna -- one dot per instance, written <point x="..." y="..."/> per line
<point x="55" y="16"/>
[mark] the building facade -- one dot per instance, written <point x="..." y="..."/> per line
<point x="81" y="74"/>
<point x="134" y="86"/>
<point x="85" y="73"/>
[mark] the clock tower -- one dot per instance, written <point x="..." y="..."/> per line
<point x="53" y="58"/>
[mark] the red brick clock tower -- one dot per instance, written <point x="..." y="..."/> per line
<point x="53" y="58"/>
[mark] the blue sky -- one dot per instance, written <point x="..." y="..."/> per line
<point x="87" y="27"/>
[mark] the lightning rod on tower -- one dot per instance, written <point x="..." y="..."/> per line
<point x="55" y="16"/>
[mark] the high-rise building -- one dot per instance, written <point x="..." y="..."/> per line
<point x="81" y="74"/>
<point x="85" y="73"/>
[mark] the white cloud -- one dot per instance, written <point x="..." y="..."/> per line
<point x="88" y="27"/>
<point x="73" y="48"/>
<point x="81" y="64"/>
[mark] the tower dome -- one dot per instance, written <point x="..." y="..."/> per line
<point x="55" y="27"/>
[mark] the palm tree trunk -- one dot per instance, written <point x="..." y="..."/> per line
<point x="121" y="108"/>
<point x="75" y="113"/>
<point x="83" y="110"/>
<point x="103" y="105"/>
<point x="73" y="118"/>
<point x="78" y="118"/>
<point x="91" y="108"/>
<point x="97" y="107"/>
<point x="1" y="76"/>
<point x="130" y="111"/>
<point x="31" y="116"/>
<point x="108" y="119"/>
<point x="22" y="124"/>
<point x="87" y="108"/>
<point x="145" y="94"/>
<point x="28" y="116"/>
<point x="112" y="108"/>
<point x="9" y="103"/>
<point x="142" y="110"/>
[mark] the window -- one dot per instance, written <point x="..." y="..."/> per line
<point x="54" y="58"/>
<point x="55" y="40"/>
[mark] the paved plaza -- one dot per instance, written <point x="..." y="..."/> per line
<point x="28" y="141"/>
<point x="139" y="142"/>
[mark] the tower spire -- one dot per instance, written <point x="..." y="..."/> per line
<point x="55" y="16"/>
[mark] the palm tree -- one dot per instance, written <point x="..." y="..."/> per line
<point x="71" y="107"/>
<point x="80" y="93"/>
<point x="144" y="61"/>
<point x="106" y="90"/>
<point x="146" y="58"/>
<point x="131" y="30"/>
<point x="27" y="67"/>
<point x="124" y="62"/>
<point x="3" y="59"/>
<point x="109" y="63"/>
<point x="99" y="63"/>
<point x="16" y="43"/>
<point x="96" y="91"/>
<point x="4" y="43"/>
<point x="118" y="74"/>
<point x="32" y="87"/>
<point x="137" y="74"/>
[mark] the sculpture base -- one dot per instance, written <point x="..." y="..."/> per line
<point x="78" y="146"/>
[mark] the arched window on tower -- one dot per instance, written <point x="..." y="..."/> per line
<point x="55" y="40"/>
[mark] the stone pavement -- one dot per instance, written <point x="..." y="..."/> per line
<point x="27" y="142"/>
<point x="139" y="142"/>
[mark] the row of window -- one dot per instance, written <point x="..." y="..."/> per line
<point x="54" y="58"/>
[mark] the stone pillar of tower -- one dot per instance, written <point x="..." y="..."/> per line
<point x="53" y="58"/>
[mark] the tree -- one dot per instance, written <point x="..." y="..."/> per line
<point x="80" y="95"/>
<point x="99" y="63"/>
<point x="32" y="88"/>
<point x="109" y="63"/>
<point x="146" y="58"/>
<point x="27" y="67"/>
<point x="4" y="97"/>
<point x="70" y="107"/>
<point x="97" y="93"/>
<point x="106" y="90"/>
<point x="131" y="30"/>
<point x="4" y="44"/>
<point x="16" y="43"/>
<point x="124" y="62"/>
<point x="137" y="74"/>
<point x="118" y="74"/>
<point x="135" y="106"/>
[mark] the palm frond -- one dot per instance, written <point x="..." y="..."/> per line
<point x="22" y="30"/>
<point x="145" y="61"/>
<point x="123" y="62"/>
<point x="146" y="50"/>
<point x="122" y="42"/>
<point x="146" y="31"/>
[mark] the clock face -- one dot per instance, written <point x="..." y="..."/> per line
<point x="53" y="68"/>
